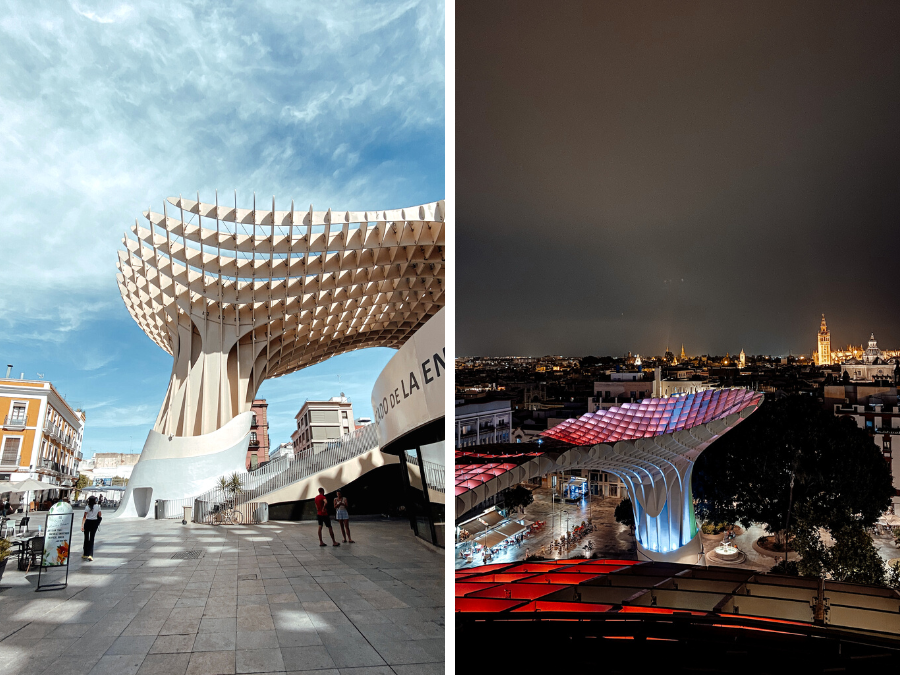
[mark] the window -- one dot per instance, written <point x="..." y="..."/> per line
<point x="18" y="412"/>
<point x="343" y="414"/>
<point x="11" y="451"/>
<point x="253" y="437"/>
<point x="253" y="420"/>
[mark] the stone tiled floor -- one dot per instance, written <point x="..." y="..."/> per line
<point x="261" y="599"/>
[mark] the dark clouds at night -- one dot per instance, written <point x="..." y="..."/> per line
<point x="719" y="174"/>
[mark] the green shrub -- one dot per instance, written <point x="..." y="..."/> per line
<point x="786" y="567"/>
<point x="5" y="548"/>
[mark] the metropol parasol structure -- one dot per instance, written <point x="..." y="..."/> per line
<point x="239" y="295"/>
<point x="651" y="445"/>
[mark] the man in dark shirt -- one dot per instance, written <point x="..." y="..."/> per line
<point x="322" y="517"/>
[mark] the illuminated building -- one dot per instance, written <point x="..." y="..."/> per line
<point x="871" y="365"/>
<point x="651" y="446"/>
<point x="823" y="354"/>
<point x="480" y="423"/>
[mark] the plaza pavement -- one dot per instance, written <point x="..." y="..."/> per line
<point x="612" y="540"/>
<point x="260" y="599"/>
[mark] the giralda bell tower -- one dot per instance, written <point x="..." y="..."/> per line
<point x="824" y="355"/>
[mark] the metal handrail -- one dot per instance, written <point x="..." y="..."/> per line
<point x="15" y="421"/>
<point x="434" y="475"/>
<point x="289" y="469"/>
<point x="434" y="472"/>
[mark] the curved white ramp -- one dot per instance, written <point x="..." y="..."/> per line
<point x="176" y="467"/>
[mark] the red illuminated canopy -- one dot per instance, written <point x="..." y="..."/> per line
<point x="653" y="417"/>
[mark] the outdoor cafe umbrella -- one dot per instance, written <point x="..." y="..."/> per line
<point x="27" y="485"/>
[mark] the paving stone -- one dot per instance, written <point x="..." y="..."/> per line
<point x="214" y="642"/>
<point x="132" y="645"/>
<point x="124" y="664"/>
<point x="218" y="626"/>
<point x="172" y="644"/>
<point x="262" y="639"/>
<point x="211" y="663"/>
<point x="306" y="658"/>
<point x="164" y="664"/>
<point x="328" y="610"/>
<point x="259" y="660"/>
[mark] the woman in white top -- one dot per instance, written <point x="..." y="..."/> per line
<point x="89" y="524"/>
<point x="343" y="518"/>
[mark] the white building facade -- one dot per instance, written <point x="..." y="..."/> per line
<point x="871" y="366"/>
<point x="321" y="421"/>
<point x="483" y="423"/>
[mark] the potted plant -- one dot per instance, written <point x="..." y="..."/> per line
<point x="5" y="548"/>
<point x="230" y="487"/>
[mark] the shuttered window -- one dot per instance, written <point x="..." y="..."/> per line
<point x="11" y="451"/>
<point x="324" y="416"/>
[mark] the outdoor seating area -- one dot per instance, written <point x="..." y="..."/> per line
<point x="491" y="533"/>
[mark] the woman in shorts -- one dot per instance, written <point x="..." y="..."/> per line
<point x="343" y="518"/>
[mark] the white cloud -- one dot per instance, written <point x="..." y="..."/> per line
<point x="101" y="119"/>
<point x="140" y="415"/>
<point x="115" y="15"/>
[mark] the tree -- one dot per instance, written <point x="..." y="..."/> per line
<point x="518" y="496"/>
<point x="82" y="482"/>
<point x="854" y="557"/>
<point x="792" y="457"/>
<point x="624" y="514"/>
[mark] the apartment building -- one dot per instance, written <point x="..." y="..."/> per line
<point x="321" y="421"/>
<point x="258" y="450"/>
<point x="483" y="422"/>
<point x="40" y="437"/>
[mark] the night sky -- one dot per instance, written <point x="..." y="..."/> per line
<point x="632" y="175"/>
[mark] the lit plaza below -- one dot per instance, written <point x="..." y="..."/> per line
<point x="650" y="445"/>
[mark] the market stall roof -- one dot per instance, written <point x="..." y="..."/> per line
<point x="490" y="539"/>
<point x="511" y="529"/>
<point x="482" y="522"/>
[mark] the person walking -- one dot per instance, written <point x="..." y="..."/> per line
<point x="322" y="517"/>
<point x="89" y="524"/>
<point x="343" y="518"/>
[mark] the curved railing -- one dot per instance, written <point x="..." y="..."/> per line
<point x="434" y="472"/>
<point x="286" y="470"/>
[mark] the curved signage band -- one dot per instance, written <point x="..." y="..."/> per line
<point x="409" y="392"/>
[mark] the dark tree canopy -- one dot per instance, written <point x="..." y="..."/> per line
<point x="517" y="496"/>
<point x="840" y="476"/>
<point x="624" y="513"/>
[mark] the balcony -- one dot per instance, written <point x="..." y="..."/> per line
<point x="15" y="422"/>
<point x="254" y="443"/>
<point x="48" y="465"/>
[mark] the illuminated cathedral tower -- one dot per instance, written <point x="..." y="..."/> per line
<point x="823" y="358"/>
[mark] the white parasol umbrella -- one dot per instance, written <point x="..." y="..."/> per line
<point x="27" y="485"/>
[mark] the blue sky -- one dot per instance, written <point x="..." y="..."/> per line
<point x="107" y="108"/>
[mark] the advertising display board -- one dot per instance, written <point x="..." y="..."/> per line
<point x="57" y="543"/>
<point x="409" y="392"/>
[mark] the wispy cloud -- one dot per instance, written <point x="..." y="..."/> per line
<point x="108" y="107"/>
